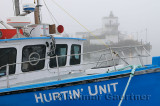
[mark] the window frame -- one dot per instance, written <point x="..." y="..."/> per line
<point x="39" y="61"/>
<point x="79" y="62"/>
<point x="14" y="71"/>
<point x="59" y="57"/>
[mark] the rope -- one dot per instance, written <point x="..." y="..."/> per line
<point x="50" y="13"/>
<point x="129" y="80"/>
<point x="116" y="54"/>
<point x="52" y="16"/>
<point x="79" y="23"/>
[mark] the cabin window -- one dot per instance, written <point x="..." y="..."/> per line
<point x="33" y="53"/>
<point x="75" y="59"/>
<point x="61" y="50"/>
<point x="7" y="56"/>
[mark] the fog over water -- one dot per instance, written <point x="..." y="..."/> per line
<point x="134" y="16"/>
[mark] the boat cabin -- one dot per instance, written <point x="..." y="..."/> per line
<point x="40" y="58"/>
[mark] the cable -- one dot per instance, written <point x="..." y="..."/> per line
<point x="80" y="23"/>
<point x="128" y="82"/>
<point x="116" y="54"/>
<point x="52" y="16"/>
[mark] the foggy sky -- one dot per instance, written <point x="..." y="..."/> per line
<point x="134" y="15"/>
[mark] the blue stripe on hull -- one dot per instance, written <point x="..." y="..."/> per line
<point x="143" y="91"/>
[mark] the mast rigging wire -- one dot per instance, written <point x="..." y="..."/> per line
<point x="116" y="54"/>
<point x="52" y="16"/>
<point x="50" y="13"/>
<point x="80" y="23"/>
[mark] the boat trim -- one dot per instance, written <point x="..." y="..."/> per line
<point x="15" y="39"/>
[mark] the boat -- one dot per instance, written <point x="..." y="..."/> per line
<point x="39" y="69"/>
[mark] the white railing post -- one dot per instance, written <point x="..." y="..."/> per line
<point x="139" y="57"/>
<point x="113" y="58"/>
<point x="58" y="68"/>
<point x="7" y="75"/>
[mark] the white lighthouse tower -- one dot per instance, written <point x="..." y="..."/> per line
<point x="110" y="26"/>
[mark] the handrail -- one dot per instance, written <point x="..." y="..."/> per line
<point x="81" y="54"/>
<point x="100" y="59"/>
<point x="76" y="64"/>
<point x="58" y="71"/>
<point x="80" y="64"/>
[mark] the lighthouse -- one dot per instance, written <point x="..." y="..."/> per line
<point x="110" y="26"/>
<point x="109" y="32"/>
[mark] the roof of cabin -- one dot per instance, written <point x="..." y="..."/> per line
<point x="14" y="39"/>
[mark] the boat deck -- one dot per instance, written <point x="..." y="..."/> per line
<point x="73" y="79"/>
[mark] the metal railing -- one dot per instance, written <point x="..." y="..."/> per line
<point x="106" y="51"/>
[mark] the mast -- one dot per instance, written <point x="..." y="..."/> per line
<point x="17" y="13"/>
<point x="37" y="13"/>
<point x="17" y="9"/>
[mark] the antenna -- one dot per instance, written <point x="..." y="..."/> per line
<point x="28" y="8"/>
